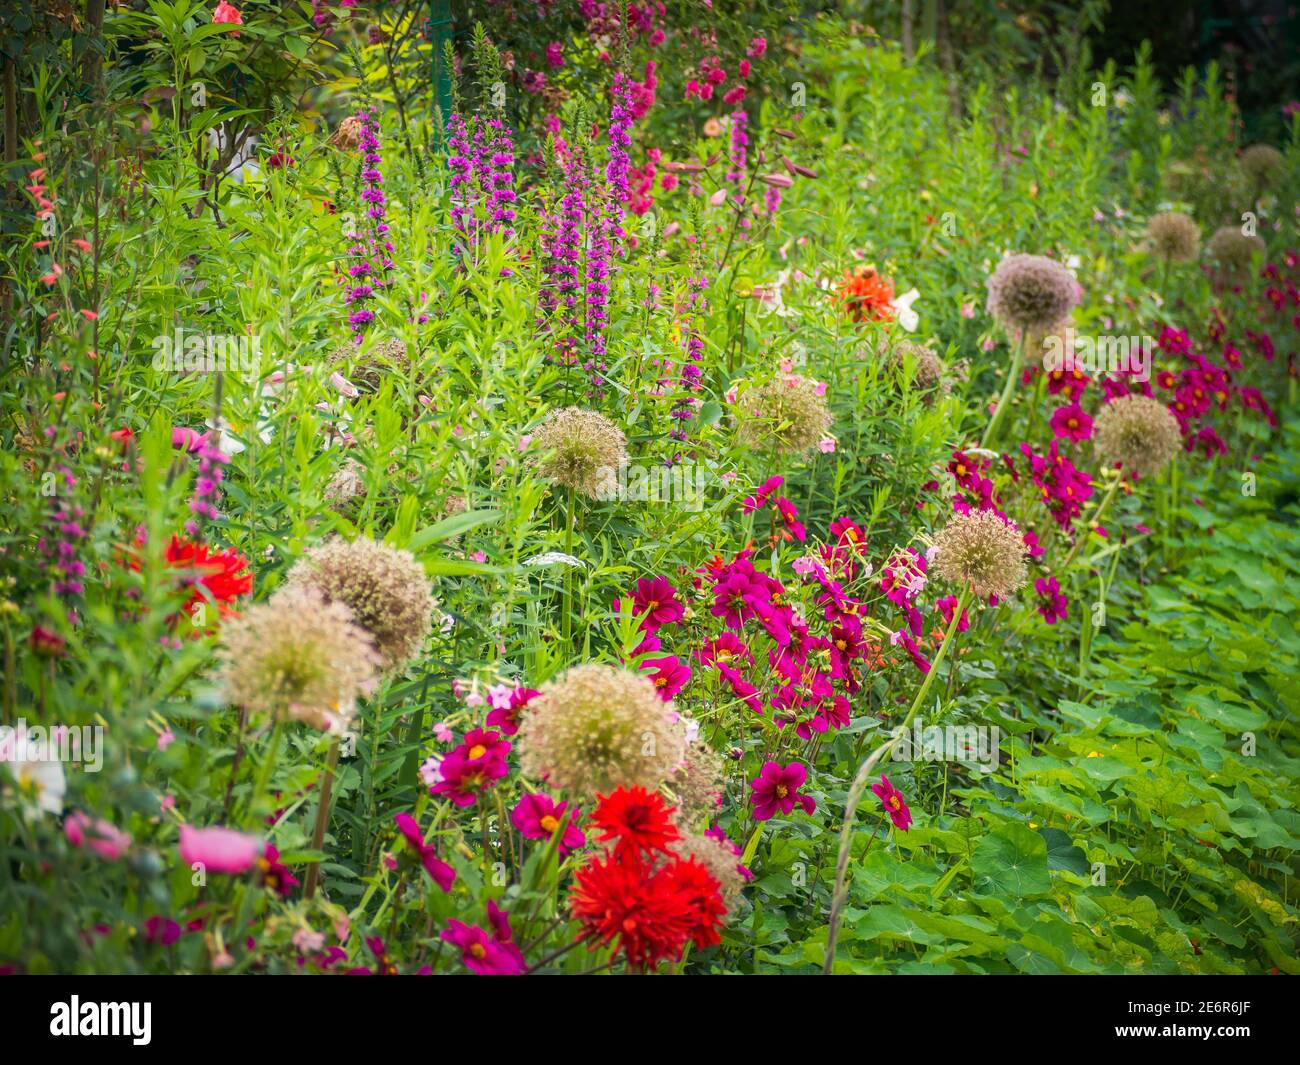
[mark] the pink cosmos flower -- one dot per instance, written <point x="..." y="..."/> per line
<point x="669" y="675"/>
<point x="487" y="955"/>
<point x="1054" y="606"/>
<point x="776" y="788"/>
<point x="441" y="873"/>
<point x="538" y="816"/>
<point x="1071" y="423"/>
<point x="161" y="930"/>
<point x="506" y="717"/>
<point x="220" y="850"/>
<point x="472" y="767"/>
<point x="891" y="800"/>
<point x="741" y="688"/>
<point x="657" y="600"/>
<point x="105" y="839"/>
<point x="723" y="648"/>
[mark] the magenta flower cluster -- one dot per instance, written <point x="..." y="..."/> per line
<point x="372" y="252"/>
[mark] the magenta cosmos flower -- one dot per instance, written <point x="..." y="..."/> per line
<point x="777" y="788"/>
<point x="538" y="816"/>
<point x="220" y="850"/>
<point x="656" y="599"/>
<point x="1071" y="423"/>
<point x="891" y="799"/>
<point x="487" y="955"/>
<point x="442" y="874"/>
<point x="668" y="674"/>
<point x="506" y="717"/>
<point x="1053" y="605"/>
<point x="472" y="767"/>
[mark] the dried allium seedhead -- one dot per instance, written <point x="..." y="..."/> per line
<point x="580" y="449"/>
<point x="697" y="783"/>
<point x="1056" y="340"/>
<point x="1234" y="251"/>
<point x="928" y="369"/>
<point x="718" y="858"/>
<point x="370" y="363"/>
<point x="386" y="590"/>
<point x="347" y="484"/>
<point x="981" y="551"/>
<point x="597" y="727"/>
<point x="1028" y="292"/>
<point x="785" y="417"/>
<point x="1138" y="432"/>
<point x="348" y="135"/>
<point x="1263" y="166"/>
<point x="298" y="656"/>
<point x="1174" y="236"/>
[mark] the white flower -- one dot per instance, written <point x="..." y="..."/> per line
<point x="907" y="317"/>
<point x="38" y="778"/>
<point x="551" y="558"/>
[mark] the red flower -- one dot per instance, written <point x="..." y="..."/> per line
<point x="692" y="881"/>
<point x="223" y="574"/>
<point x="866" y="296"/>
<point x="45" y="642"/>
<point x="614" y="899"/>
<point x="637" y="819"/>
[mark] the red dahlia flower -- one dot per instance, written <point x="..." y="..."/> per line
<point x="637" y="819"/>
<point x="650" y="915"/>
<point x="220" y="577"/>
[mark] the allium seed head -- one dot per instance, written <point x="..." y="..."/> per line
<point x="697" y="783"/>
<point x="370" y="364"/>
<point x="347" y="484"/>
<point x="1174" y="236"/>
<point x="1234" y="251"/>
<point x="928" y="369"/>
<point x="580" y="449"/>
<point x="1263" y="165"/>
<point x="981" y="551"/>
<point x="597" y="727"/>
<point x="385" y="589"/>
<point x="1138" y="432"/>
<point x="786" y="416"/>
<point x="1031" y="292"/>
<point x="298" y="656"/>
<point x="718" y="858"/>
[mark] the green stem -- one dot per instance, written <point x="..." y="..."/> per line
<point x="567" y="623"/>
<point x="1101" y="513"/>
<point x="1004" y="401"/>
<point x="840" y="895"/>
<point x="322" y="817"/>
<point x="267" y="768"/>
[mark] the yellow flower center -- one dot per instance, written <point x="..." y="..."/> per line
<point x="549" y="823"/>
<point x="477" y="751"/>
<point x="478" y="950"/>
<point x="782" y="791"/>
